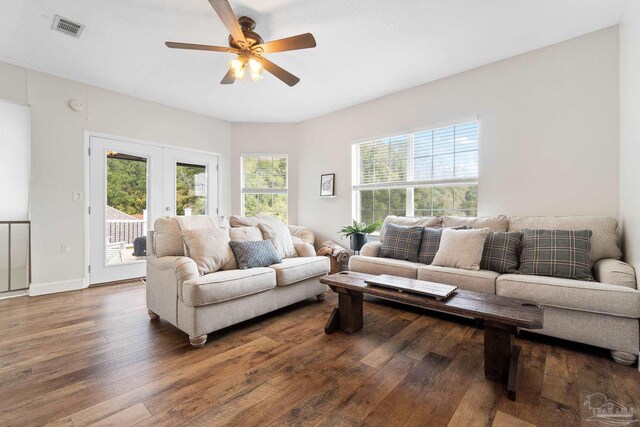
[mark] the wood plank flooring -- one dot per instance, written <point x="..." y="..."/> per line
<point x="93" y="357"/>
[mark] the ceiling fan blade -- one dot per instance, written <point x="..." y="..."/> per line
<point x="228" y="18"/>
<point x="280" y="73"/>
<point x="301" y="41"/>
<point x="190" y="46"/>
<point x="228" y="79"/>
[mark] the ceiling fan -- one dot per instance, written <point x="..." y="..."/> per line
<point x="250" y="47"/>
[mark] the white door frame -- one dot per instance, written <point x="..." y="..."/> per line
<point x="87" y="187"/>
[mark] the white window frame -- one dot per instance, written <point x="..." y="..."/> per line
<point x="410" y="183"/>
<point x="244" y="190"/>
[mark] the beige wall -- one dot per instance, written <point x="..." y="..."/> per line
<point x="630" y="131"/>
<point x="549" y="133"/>
<point x="260" y="138"/>
<point x="57" y="156"/>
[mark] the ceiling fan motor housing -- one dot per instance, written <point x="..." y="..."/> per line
<point x="247" y="25"/>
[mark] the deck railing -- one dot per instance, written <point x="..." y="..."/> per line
<point x="15" y="257"/>
<point x="125" y="231"/>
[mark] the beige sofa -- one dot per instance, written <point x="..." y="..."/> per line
<point x="604" y="313"/>
<point x="199" y="304"/>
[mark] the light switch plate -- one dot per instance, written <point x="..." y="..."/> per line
<point x="65" y="248"/>
<point x="77" y="196"/>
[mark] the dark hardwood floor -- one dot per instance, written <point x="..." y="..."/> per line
<point x="93" y="356"/>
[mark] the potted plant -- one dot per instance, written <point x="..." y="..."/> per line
<point x="358" y="231"/>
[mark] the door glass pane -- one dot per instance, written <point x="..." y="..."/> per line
<point x="191" y="189"/>
<point x="19" y="256"/>
<point x="4" y="257"/>
<point x="126" y="210"/>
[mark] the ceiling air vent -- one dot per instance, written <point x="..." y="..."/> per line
<point x="67" y="27"/>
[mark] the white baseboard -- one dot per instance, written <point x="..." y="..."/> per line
<point x="54" y="287"/>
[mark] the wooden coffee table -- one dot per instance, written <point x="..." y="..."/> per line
<point x="501" y="317"/>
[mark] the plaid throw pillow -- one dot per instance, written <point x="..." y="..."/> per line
<point x="500" y="252"/>
<point x="430" y="244"/>
<point x="401" y="242"/>
<point x="252" y="254"/>
<point x="556" y="253"/>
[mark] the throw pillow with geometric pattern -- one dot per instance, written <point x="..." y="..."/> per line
<point x="556" y="253"/>
<point x="500" y="252"/>
<point x="401" y="242"/>
<point x="257" y="253"/>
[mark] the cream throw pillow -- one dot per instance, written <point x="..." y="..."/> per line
<point x="461" y="248"/>
<point x="209" y="248"/>
<point x="275" y="230"/>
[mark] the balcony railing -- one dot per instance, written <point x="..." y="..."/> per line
<point x="15" y="256"/>
<point x="125" y="231"/>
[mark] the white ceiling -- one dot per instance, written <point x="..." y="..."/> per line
<point x="366" y="48"/>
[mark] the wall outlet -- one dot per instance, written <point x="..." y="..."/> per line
<point x="65" y="248"/>
<point x="77" y="196"/>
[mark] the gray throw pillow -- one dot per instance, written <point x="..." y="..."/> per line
<point x="556" y="253"/>
<point x="401" y="242"/>
<point x="429" y="245"/>
<point x="251" y="254"/>
<point x="500" y="252"/>
<point x="431" y="242"/>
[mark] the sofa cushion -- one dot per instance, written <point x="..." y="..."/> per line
<point x="394" y="267"/>
<point x="593" y="297"/>
<point x="227" y="285"/>
<point x="425" y="221"/>
<point x="461" y="248"/>
<point x="494" y="223"/>
<point x="556" y="253"/>
<point x="293" y="270"/>
<point x="302" y="233"/>
<point x="245" y="234"/>
<point x="243" y="221"/>
<point x="254" y="254"/>
<point x="471" y="280"/>
<point x="604" y="240"/>
<point x="401" y="242"/>
<point x="167" y="240"/>
<point x="209" y="248"/>
<point x="275" y="230"/>
<point x="500" y="251"/>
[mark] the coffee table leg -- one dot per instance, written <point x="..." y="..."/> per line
<point x="501" y="356"/>
<point x="348" y="316"/>
<point x="350" y="311"/>
<point x="333" y="323"/>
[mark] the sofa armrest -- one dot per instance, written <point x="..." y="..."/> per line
<point x="184" y="267"/>
<point x="615" y="272"/>
<point x="304" y="249"/>
<point x="371" y="249"/>
<point x="165" y="276"/>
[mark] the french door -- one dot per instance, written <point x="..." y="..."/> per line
<point x="132" y="184"/>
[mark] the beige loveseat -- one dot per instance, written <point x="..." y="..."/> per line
<point x="200" y="304"/>
<point x="603" y="313"/>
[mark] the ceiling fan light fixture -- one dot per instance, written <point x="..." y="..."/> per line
<point x="255" y="69"/>
<point x="237" y="68"/>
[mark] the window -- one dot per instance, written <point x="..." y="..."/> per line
<point x="264" y="185"/>
<point x="426" y="173"/>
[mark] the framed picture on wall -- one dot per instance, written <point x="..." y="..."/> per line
<point x="327" y="184"/>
